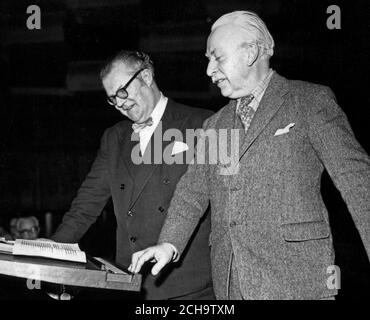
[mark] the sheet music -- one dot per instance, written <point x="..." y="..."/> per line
<point x="6" y="245"/>
<point x="48" y="249"/>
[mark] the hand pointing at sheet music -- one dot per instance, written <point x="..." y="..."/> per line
<point x="161" y="254"/>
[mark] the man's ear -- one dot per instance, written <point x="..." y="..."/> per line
<point x="252" y="54"/>
<point x="147" y="76"/>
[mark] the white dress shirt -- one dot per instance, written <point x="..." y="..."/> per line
<point x="146" y="133"/>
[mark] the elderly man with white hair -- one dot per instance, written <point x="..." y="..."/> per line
<point x="270" y="236"/>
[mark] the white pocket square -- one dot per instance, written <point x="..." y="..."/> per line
<point x="178" y="147"/>
<point x="284" y="130"/>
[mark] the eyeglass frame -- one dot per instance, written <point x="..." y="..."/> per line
<point x="112" y="100"/>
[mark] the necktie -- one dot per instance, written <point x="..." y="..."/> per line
<point x="137" y="127"/>
<point x="245" y="111"/>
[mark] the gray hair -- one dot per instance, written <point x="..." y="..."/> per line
<point x="133" y="59"/>
<point x="252" y="24"/>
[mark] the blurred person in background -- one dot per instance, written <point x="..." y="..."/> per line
<point x="28" y="228"/>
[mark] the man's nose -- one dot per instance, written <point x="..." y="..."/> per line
<point x="120" y="103"/>
<point x="211" y="68"/>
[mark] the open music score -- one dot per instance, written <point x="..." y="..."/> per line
<point x="6" y="245"/>
<point x="48" y="249"/>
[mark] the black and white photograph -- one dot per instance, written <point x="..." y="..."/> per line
<point x="200" y="151"/>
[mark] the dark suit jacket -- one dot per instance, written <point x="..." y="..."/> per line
<point x="270" y="214"/>
<point x="141" y="195"/>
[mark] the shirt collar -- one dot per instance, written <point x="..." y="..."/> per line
<point x="157" y="112"/>
<point x="259" y="90"/>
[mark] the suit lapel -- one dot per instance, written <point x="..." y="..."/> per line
<point x="226" y="147"/>
<point x="271" y="102"/>
<point x="145" y="170"/>
<point x="127" y="144"/>
<point x="226" y="118"/>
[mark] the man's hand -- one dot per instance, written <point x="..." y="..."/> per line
<point x="162" y="254"/>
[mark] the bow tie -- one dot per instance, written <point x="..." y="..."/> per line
<point x="137" y="127"/>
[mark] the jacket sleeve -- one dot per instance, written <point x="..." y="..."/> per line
<point x="189" y="202"/>
<point x="91" y="198"/>
<point x="345" y="160"/>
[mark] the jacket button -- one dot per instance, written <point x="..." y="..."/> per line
<point x="133" y="239"/>
<point x="122" y="186"/>
<point x="161" y="209"/>
<point x="166" y="181"/>
<point x="130" y="213"/>
<point x="232" y="224"/>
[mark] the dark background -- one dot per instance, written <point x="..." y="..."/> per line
<point x="53" y="110"/>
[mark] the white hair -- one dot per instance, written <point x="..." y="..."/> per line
<point x="252" y="24"/>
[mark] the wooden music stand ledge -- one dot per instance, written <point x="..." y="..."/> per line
<point x="67" y="273"/>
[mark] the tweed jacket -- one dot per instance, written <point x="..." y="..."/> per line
<point x="268" y="214"/>
<point x="141" y="194"/>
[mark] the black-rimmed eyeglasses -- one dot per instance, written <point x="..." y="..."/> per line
<point x="122" y="92"/>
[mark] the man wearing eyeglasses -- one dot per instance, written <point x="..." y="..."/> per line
<point x="141" y="192"/>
